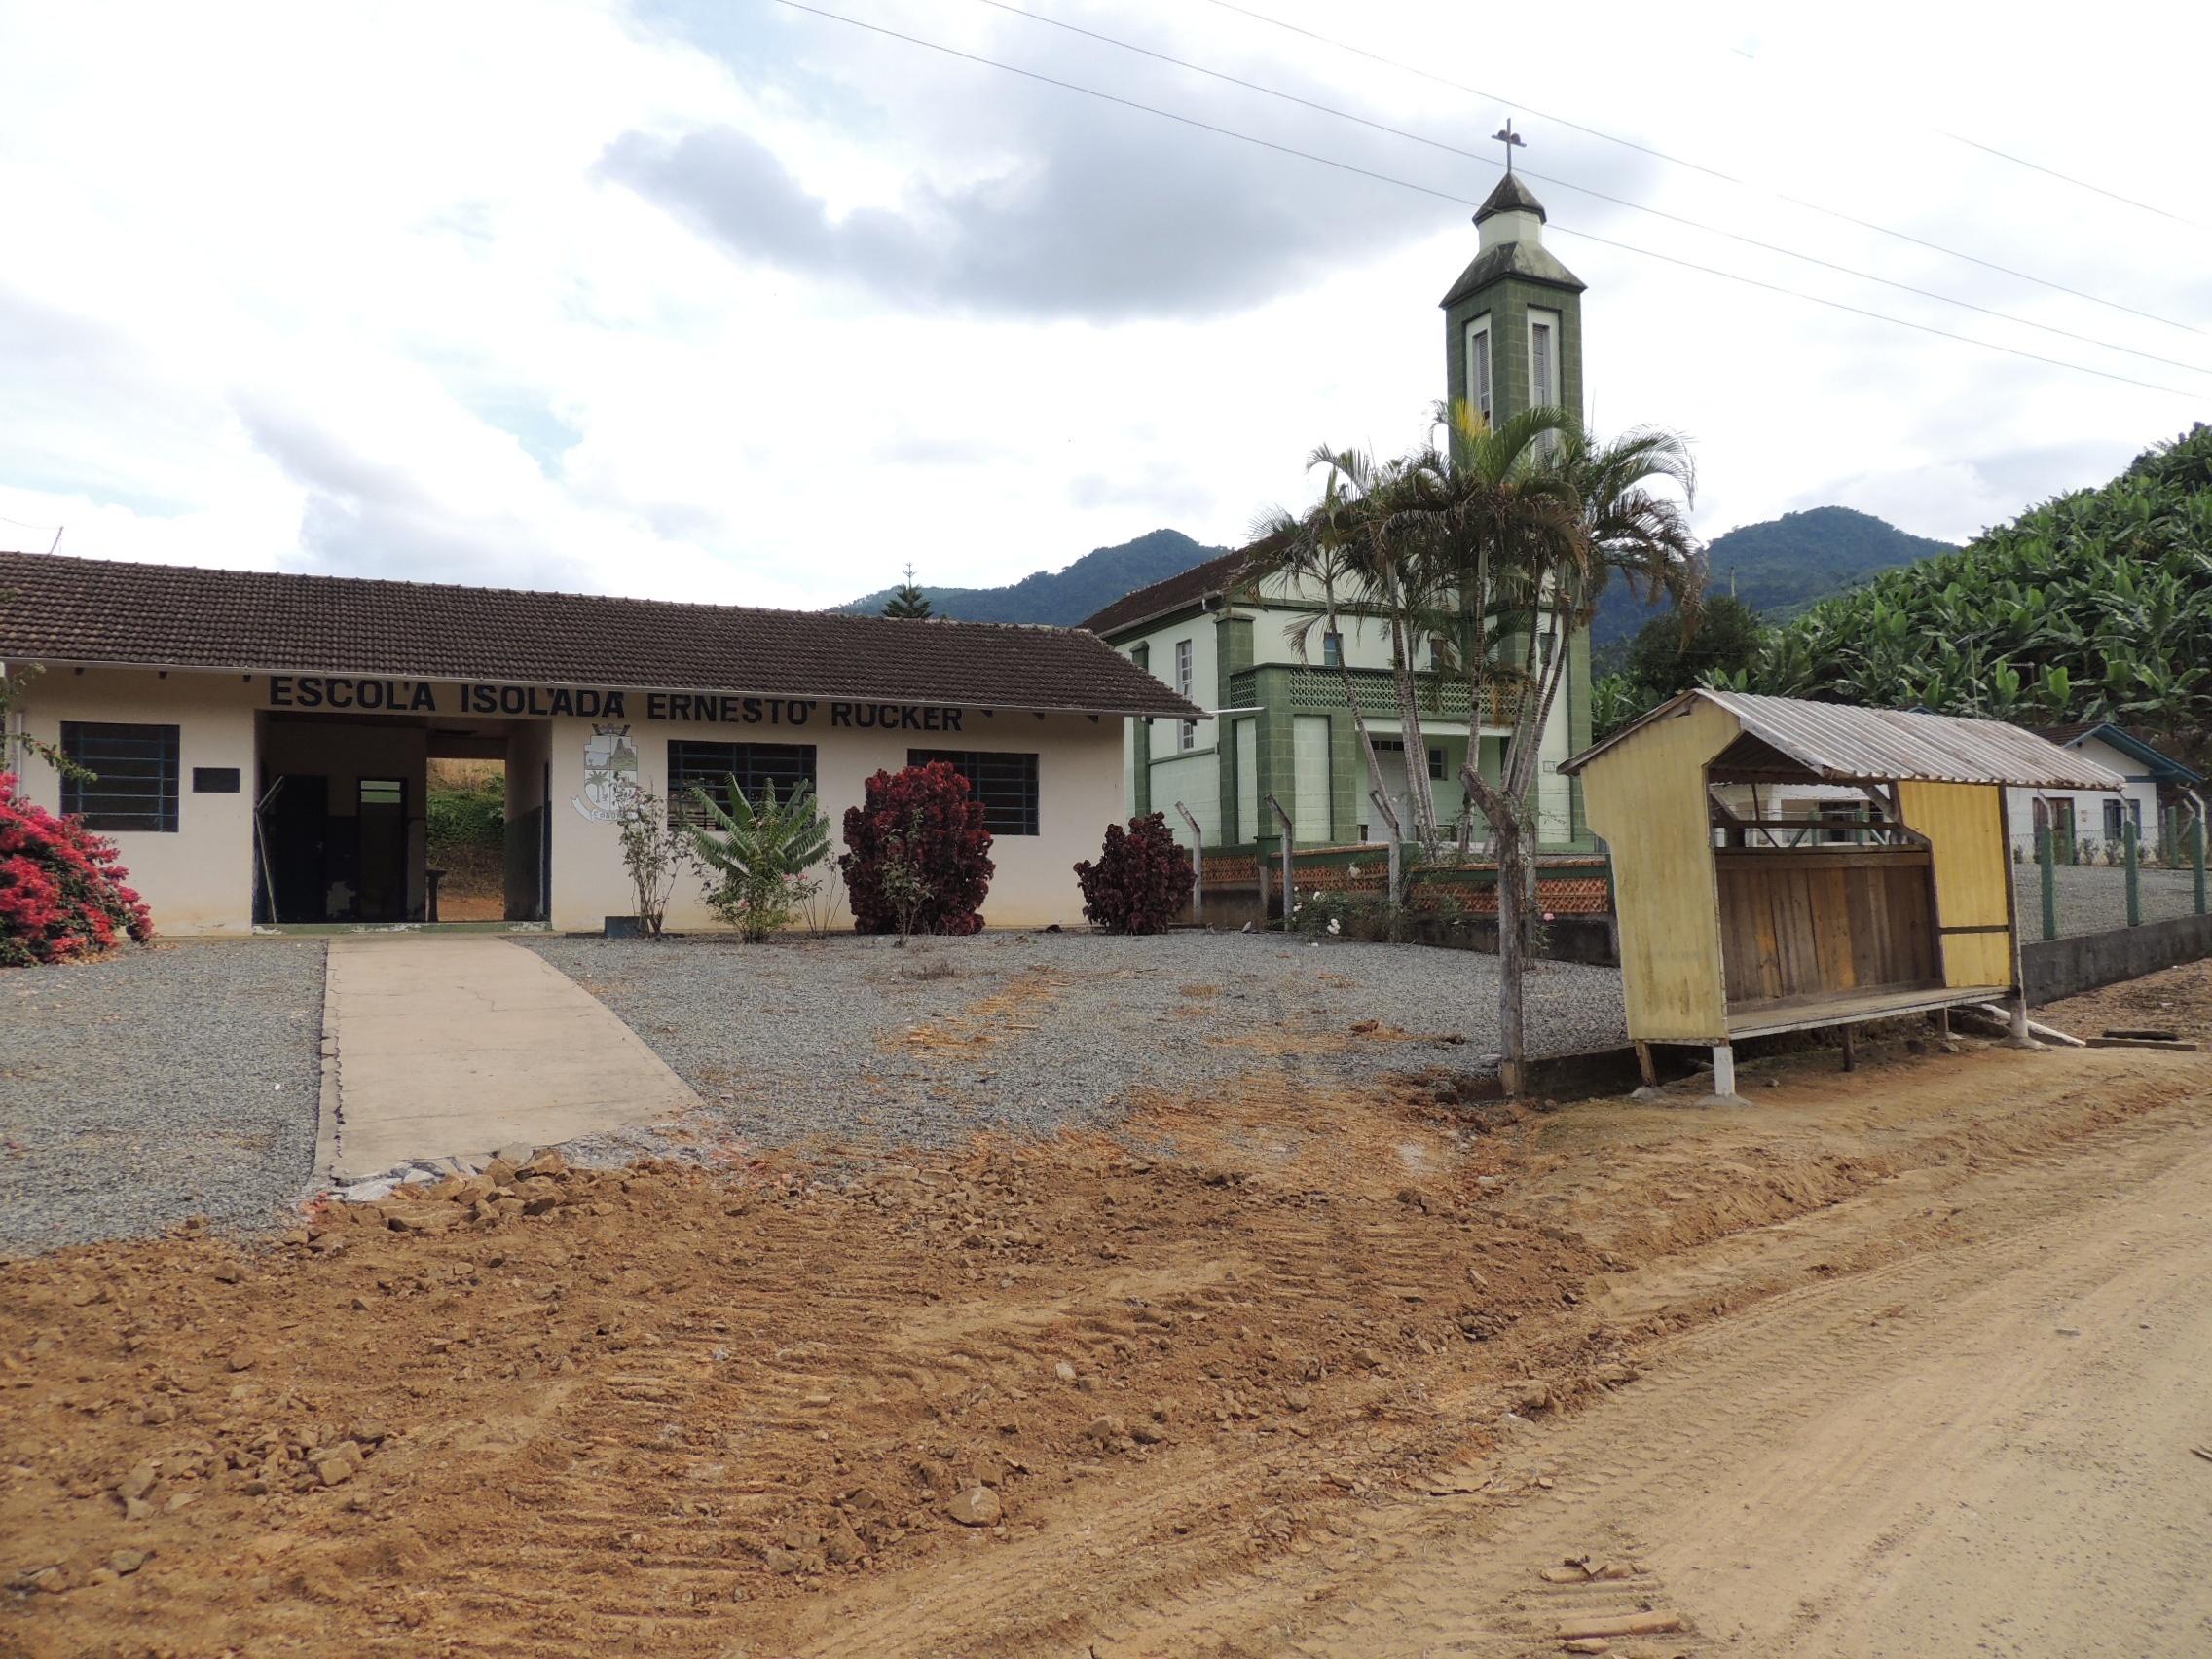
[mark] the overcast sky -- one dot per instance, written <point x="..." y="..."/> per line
<point x="732" y="300"/>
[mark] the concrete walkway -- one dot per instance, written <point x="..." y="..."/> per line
<point x="455" y="1046"/>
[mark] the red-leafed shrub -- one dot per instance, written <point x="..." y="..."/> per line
<point x="61" y="892"/>
<point x="1142" y="879"/>
<point x="920" y="858"/>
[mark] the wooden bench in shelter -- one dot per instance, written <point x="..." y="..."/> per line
<point x="1737" y="923"/>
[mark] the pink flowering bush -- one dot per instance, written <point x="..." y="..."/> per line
<point x="61" y="892"/>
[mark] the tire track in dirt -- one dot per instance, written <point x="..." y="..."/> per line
<point x="1786" y="1472"/>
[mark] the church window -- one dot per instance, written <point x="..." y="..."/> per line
<point x="1543" y="359"/>
<point x="1478" y="370"/>
<point x="1187" y="731"/>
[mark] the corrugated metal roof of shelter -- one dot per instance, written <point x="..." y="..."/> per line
<point x="1845" y="744"/>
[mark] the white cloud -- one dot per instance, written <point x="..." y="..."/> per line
<point x="733" y="303"/>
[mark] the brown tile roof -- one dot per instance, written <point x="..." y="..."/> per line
<point x="97" y="610"/>
<point x="1198" y="583"/>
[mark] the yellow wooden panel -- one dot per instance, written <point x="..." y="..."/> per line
<point x="1646" y="797"/>
<point x="1974" y="875"/>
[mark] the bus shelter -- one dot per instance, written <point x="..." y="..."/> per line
<point x="1895" y="898"/>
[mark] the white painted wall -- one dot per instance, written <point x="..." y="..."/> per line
<point x="1079" y="793"/>
<point x="200" y="879"/>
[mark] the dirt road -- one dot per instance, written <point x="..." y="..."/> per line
<point x="1987" y="1448"/>
<point x="1282" y="1368"/>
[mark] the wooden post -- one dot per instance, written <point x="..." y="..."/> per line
<point x="2046" y="860"/>
<point x="1850" y="1047"/>
<point x="1197" y="866"/>
<point x="1647" y="1066"/>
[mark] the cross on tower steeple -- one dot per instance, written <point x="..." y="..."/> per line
<point x="1512" y="142"/>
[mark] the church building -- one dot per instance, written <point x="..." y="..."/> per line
<point x="1221" y="633"/>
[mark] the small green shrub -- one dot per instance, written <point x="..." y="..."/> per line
<point x="472" y="812"/>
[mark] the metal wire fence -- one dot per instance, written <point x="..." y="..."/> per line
<point x="2058" y="899"/>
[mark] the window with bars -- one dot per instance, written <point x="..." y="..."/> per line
<point x="1005" y="785"/>
<point x="711" y="766"/>
<point x="135" y="775"/>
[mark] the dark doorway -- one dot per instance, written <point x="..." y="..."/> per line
<point x="294" y="821"/>
<point x="383" y="850"/>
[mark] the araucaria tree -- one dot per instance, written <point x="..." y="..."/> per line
<point x="908" y="602"/>
<point x="920" y="857"/>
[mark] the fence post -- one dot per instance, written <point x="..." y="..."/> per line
<point x="2196" y="858"/>
<point x="2130" y="841"/>
<point x="1289" y="870"/>
<point x="2046" y="854"/>
<point x="1197" y="866"/>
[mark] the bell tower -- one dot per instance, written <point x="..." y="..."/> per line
<point x="1513" y="322"/>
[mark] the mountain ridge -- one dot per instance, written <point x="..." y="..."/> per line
<point x="1779" y="566"/>
<point x="1064" y="597"/>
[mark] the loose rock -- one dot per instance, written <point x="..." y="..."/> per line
<point x="977" y="1506"/>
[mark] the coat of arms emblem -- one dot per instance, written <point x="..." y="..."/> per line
<point x="611" y="773"/>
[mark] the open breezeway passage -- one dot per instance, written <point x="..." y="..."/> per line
<point x="449" y="1047"/>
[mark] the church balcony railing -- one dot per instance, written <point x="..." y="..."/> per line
<point x="1321" y="690"/>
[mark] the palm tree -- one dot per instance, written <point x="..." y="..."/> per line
<point x="1523" y="527"/>
<point x="1345" y="547"/>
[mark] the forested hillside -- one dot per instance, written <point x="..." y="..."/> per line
<point x="1783" y="565"/>
<point x="2095" y="604"/>
<point x="1067" y="597"/>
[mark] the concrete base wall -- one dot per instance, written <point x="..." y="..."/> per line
<point x="2057" y="968"/>
<point x="1592" y="939"/>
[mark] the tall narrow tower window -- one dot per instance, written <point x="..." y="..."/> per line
<point x="1543" y="359"/>
<point x="1186" y="732"/>
<point x="1478" y="370"/>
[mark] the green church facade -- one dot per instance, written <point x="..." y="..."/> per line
<point x="1282" y="728"/>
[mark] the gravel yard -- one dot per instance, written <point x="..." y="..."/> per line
<point x="180" y="1080"/>
<point x="1037" y="1032"/>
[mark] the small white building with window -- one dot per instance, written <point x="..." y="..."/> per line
<point x="259" y="744"/>
<point x="2090" y="827"/>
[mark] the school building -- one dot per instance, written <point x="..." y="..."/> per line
<point x="260" y="743"/>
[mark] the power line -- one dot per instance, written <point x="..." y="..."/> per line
<point x="1699" y="167"/>
<point x="1585" y="189"/>
<point x="1448" y="196"/>
<point x="2065" y="178"/>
